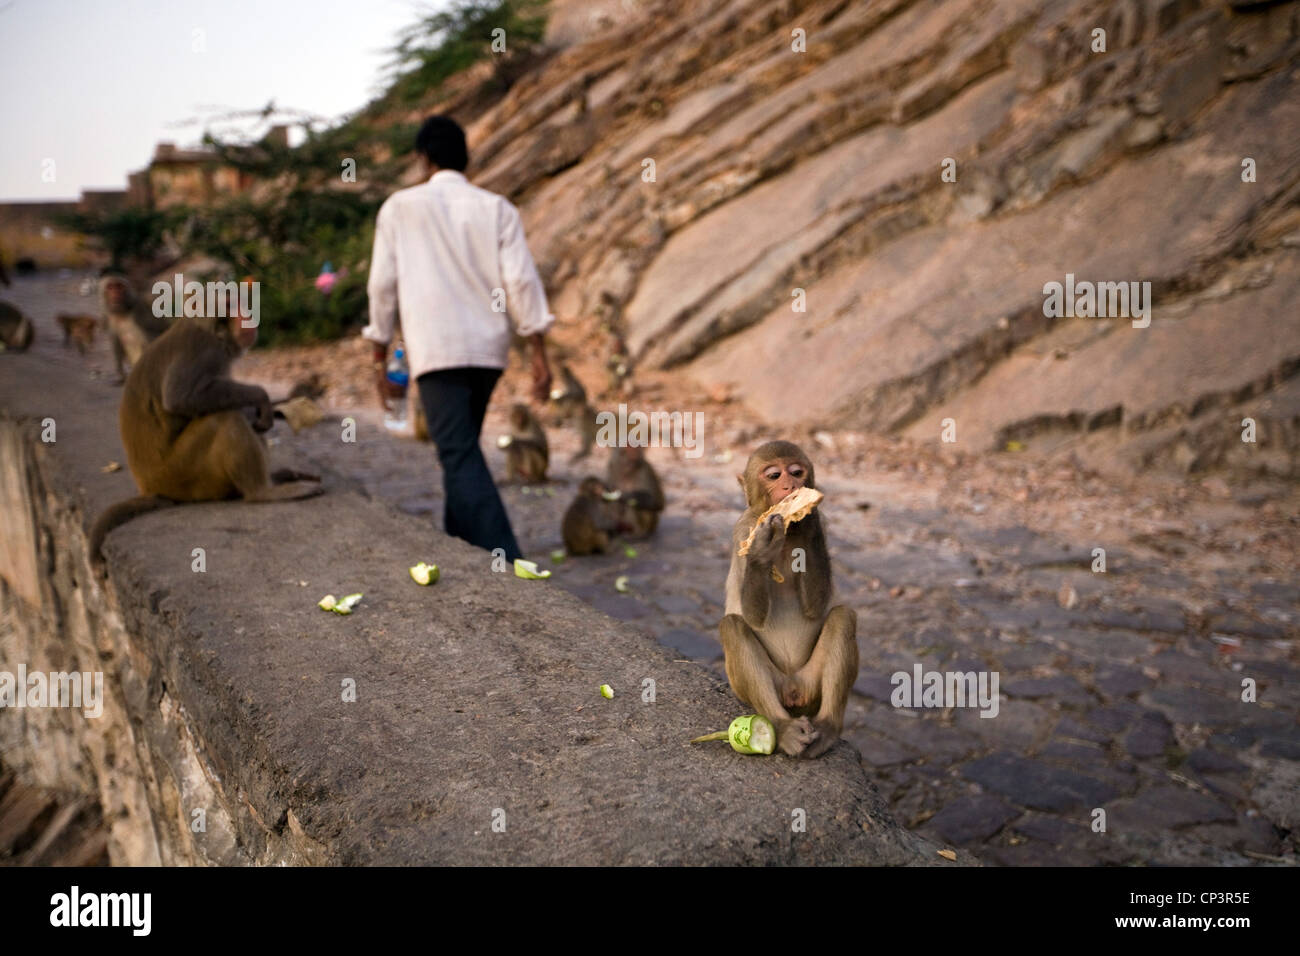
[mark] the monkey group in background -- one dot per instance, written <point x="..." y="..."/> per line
<point x="79" y="329"/>
<point x="130" y="321"/>
<point x="789" y="654"/>
<point x="572" y="407"/>
<point x="592" y="520"/>
<point x="641" y="497"/>
<point x="191" y="432"/>
<point x="16" y="329"/>
<point x="527" y="451"/>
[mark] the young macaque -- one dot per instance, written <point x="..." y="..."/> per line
<point x="527" y="452"/>
<point x="571" y="406"/>
<point x="591" y="519"/>
<point x="79" y="329"/>
<point x="131" y="324"/>
<point x="186" y="426"/>
<point x="789" y="655"/>
<point x="16" y="330"/>
<point x="641" y="498"/>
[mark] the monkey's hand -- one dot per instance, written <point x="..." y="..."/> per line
<point x="265" y="414"/>
<point x="768" y="541"/>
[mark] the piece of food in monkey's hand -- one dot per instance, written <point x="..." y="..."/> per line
<point x="529" y="570"/>
<point x="750" y="734"/>
<point x="425" y="573"/>
<point x="503" y="441"/>
<point x="606" y="691"/>
<point x="795" y="506"/>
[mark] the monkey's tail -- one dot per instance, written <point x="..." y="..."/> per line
<point x="121" y="513"/>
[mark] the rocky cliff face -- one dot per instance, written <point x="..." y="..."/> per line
<point x="692" y="173"/>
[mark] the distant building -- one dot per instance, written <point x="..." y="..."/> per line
<point x="174" y="177"/>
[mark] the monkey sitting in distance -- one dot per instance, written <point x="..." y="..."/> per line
<point x="186" y="426"/>
<point x="641" y="498"/>
<point x="527" y="451"/>
<point x="572" y="407"/>
<point x="79" y="329"/>
<point x="789" y="654"/>
<point x="130" y="322"/>
<point x="591" y="520"/>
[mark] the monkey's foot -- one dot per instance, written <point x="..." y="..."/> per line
<point x="827" y="735"/>
<point x="795" y="735"/>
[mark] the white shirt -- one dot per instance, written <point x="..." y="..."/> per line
<point x="445" y="253"/>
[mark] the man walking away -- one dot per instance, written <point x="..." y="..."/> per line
<point x="452" y="260"/>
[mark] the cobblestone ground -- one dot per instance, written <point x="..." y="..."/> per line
<point x="1120" y="690"/>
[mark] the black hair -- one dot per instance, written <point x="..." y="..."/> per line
<point x="442" y="142"/>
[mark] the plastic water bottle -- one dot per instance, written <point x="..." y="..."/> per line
<point x="399" y="377"/>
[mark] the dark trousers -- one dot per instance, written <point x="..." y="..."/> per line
<point x="455" y="401"/>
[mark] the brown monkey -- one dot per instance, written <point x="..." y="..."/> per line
<point x="789" y="654"/>
<point x="527" y="452"/>
<point x="131" y="324"/>
<point x="641" y="497"/>
<point x="571" y="406"/>
<point x="79" y="329"/>
<point x="184" y="427"/>
<point x="591" y="519"/>
<point x="16" y="330"/>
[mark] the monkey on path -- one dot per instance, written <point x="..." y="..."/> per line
<point x="185" y="430"/>
<point x="79" y="329"/>
<point x="527" y="451"/>
<point x="16" y="330"/>
<point x="641" y="498"/>
<point x="789" y="654"/>
<point x="590" y="520"/>
<point x="131" y="324"/>
<point x="571" y="404"/>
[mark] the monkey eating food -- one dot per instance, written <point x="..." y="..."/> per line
<point x="591" y="519"/>
<point x="131" y="323"/>
<point x="789" y="654"/>
<point x="527" y="451"/>
<point x="185" y="430"/>
<point x="641" y="498"/>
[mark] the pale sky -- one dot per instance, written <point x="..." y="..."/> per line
<point x="94" y="84"/>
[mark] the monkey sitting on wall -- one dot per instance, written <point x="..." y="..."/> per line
<point x="571" y="406"/>
<point x="527" y="451"/>
<point x="130" y="322"/>
<point x="16" y="330"/>
<point x="789" y="654"/>
<point x="591" y="520"/>
<point x="641" y="498"/>
<point x="185" y="430"/>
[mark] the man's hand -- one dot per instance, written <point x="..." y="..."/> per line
<point x="541" y="370"/>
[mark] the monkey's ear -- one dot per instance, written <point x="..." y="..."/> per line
<point x="740" y="480"/>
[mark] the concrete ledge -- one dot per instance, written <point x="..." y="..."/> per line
<point x="475" y="696"/>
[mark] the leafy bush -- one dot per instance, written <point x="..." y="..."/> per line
<point x="443" y="43"/>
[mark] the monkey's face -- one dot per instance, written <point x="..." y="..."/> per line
<point x="115" y="296"/>
<point x="781" y="477"/>
<point x="233" y="328"/>
<point x="592" y="488"/>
